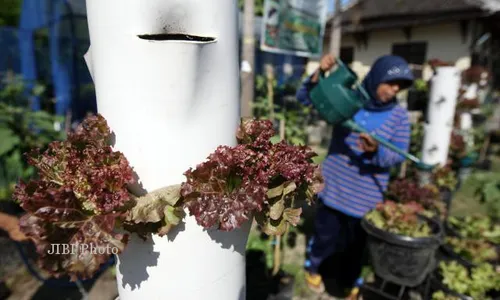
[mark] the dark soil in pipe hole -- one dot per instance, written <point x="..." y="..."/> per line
<point x="176" y="37"/>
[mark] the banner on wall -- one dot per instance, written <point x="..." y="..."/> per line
<point x="294" y="27"/>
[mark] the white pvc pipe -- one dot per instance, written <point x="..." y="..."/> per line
<point x="436" y="144"/>
<point x="170" y="103"/>
<point x="440" y="115"/>
<point x="443" y="95"/>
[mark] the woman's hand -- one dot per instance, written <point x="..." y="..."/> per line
<point x="367" y="143"/>
<point x="327" y="62"/>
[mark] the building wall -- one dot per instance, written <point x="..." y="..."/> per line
<point x="444" y="42"/>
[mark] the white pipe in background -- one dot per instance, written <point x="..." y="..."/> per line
<point x="440" y="115"/>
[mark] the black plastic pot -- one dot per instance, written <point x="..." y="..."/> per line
<point x="400" y="259"/>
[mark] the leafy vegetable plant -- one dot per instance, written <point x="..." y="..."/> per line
<point x="477" y="283"/>
<point x="82" y="194"/>
<point x="256" y="177"/>
<point x="440" y="295"/>
<point x="408" y="190"/>
<point x="476" y="227"/>
<point x="445" y="178"/>
<point x="402" y="219"/>
<point x="476" y="251"/>
<point x="488" y="192"/>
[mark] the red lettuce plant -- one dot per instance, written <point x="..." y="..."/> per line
<point x="255" y="178"/>
<point x="408" y="190"/>
<point x="80" y="193"/>
<point x="399" y="218"/>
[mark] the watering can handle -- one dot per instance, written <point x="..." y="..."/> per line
<point x="341" y="64"/>
<point x="338" y="62"/>
<point x="355" y="127"/>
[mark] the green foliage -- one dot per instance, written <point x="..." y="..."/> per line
<point x="488" y="192"/>
<point x="10" y="10"/>
<point x="400" y="219"/>
<point x="477" y="227"/>
<point x="21" y="130"/>
<point x="421" y="85"/>
<point x="476" y="251"/>
<point x="259" y="6"/>
<point x="445" y="178"/>
<point x="440" y="295"/>
<point x="416" y="138"/>
<point x="294" y="115"/>
<point x="476" y="284"/>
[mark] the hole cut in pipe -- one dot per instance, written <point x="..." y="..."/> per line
<point x="176" y="37"/>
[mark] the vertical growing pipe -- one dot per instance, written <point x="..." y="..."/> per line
<point x="440" y="115"/>
<point x="166" y="79"/>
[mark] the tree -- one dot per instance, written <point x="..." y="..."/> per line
<point x="10" y="10"/>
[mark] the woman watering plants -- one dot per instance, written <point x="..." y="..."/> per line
<point x="356" y="169"/>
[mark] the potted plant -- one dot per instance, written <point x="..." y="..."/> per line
<point x="446" y="181"/>
<point x="402" y="242"/>
<point x="81" y="200"/>
<point x="471" y="241"/>
<point x="453" y="281"/>
<point x="476" y="227"/>
<point x="407" y="190"/>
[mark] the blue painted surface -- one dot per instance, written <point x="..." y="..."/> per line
<point x="48" y="47"/>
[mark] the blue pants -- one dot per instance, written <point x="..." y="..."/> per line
<point x="341" y="237"/>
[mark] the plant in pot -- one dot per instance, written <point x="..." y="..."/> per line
<point x="462" y="155"/>
<point x="471" y="240"/>
<point x="454" y="281"/>
<point x="446" y="181"/>
<point x="81" y="201"/>
<point x="402" y="242"/>
<point x="407" y="190"/>
<point x="471" y="252"/>
<point x="476" y="227"/>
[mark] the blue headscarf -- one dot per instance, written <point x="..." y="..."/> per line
<point x="386" y="68"/>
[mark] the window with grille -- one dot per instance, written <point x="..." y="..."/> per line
<point x="415" y="53"/>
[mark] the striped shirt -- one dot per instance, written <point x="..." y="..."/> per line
<point x="356" y="181"/>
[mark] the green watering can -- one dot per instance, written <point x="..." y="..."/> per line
<point x="337" y="99"/>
